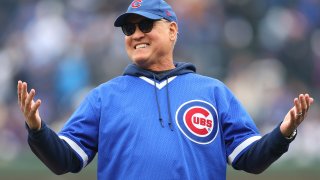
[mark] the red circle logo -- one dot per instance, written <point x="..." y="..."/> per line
<point x="199" y="121"/>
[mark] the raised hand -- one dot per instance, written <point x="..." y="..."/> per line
<point x="296" y="114"/>
<point x="28" y="106"/>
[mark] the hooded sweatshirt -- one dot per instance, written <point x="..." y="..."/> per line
<point x="175" y="124"/>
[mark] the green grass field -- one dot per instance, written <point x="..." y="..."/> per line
<point x="28" y="167"/>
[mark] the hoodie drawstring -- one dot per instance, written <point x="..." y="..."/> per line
<point x="158" y="105"/>
<point x="168" y="102"/>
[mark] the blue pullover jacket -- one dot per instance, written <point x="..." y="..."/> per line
<point x="165" y="125"/>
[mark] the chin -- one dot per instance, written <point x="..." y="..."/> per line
<point x="142" y="61"/>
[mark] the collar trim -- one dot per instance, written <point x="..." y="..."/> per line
<point x="158" y="85"/>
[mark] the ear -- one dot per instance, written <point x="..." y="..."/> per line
<point x="173" y="31"/>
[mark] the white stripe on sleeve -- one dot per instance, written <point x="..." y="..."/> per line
<point x="76" y="148"/>
<point x="241" y="147"/>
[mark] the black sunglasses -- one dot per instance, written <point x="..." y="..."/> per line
<point x="145" y="26"/>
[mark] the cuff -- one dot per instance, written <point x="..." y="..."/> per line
<point x="33" y="132"/>
<point x="282" y="139"/>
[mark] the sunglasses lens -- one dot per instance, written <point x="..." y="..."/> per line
<point x="146" y="26"/>
<point x="128" y="29"/>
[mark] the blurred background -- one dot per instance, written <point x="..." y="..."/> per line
<point x="267" y="52"/>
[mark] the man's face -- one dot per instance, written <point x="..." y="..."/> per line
<point x="152" y="49"/>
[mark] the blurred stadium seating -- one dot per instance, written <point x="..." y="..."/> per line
<point x="265" y="51"/>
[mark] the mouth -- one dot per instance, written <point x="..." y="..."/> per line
<point x="141" y="46"/>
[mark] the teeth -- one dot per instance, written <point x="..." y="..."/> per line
<point x="141" y="46"/>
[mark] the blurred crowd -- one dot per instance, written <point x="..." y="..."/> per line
<point x="265" y="51"/>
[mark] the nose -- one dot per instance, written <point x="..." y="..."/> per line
<point x="138" y="34"/>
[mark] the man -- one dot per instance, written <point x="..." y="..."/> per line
<point x="160" y="120"/>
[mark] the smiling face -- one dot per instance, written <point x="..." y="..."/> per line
<point x="152" y="50"/>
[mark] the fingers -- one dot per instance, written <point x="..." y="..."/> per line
<point x="302" y="105"/>
<point x="297" y="105"/>
<point x="24" y="94"/>
<point x="309" y="100"/>
<point x="28" y="106"/>
<point x="296" y="114"/>
<point x="25" y="99"/>
<point x="19" y="87"/>
<point x="28" y="102"/>
<point x="35" y="107"/>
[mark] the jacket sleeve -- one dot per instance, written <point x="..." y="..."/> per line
<point x="262" y="153"/>
<point x="54" y="152"/>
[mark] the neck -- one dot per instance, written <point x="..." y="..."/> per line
<point x="161" y="65"/>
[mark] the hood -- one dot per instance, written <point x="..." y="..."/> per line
<point x="181" y="68"/>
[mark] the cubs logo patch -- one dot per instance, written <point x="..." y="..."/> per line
<point x="136" y="3"/>
<point x="198" y="121"/>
